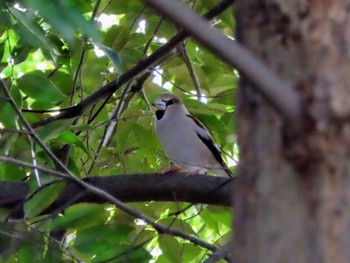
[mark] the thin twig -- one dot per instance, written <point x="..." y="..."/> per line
<point x="34" y="160"/>
<point x="112" y="123"/>
<point x="4" y="130"/>
<point x="217" y="188"/>
<point x="54" y="214"/>
<point x="94" y="12"/>
<point x="188" y="92"/>
<point x="110" y="128"/>
<point x="143" y="9"/>
<point x="31" y="166"/>
<point x="126" y="252"/>
<point x="77" y="74"/>
<point x="191" y="70"/>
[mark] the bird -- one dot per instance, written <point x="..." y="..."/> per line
<point x="185" y="140"/>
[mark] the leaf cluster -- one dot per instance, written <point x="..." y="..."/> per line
<point x="53" y="55"/>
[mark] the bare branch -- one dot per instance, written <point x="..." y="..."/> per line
<point x="224" y="252"/>
<point x="191" y="70"/>
<point x="132" y="188"/>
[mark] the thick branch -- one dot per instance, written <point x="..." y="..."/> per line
<point x="132" y="188"/>
<point x="279" y="93"/>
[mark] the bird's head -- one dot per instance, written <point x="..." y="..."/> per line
<point x="168" y="104"/>
<point x="166" y="100"/>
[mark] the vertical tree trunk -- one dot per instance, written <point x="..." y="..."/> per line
<point x="292" y="198"/>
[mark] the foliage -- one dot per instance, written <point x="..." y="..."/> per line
<point x="56" y="53"/>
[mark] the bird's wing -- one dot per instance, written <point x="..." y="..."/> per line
<point x="207" y="139"/>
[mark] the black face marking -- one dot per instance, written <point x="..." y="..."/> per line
<point x="160" y="114"/>
<point x="168" y="102"/>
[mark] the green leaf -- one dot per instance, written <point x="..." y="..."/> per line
<point x="136" y="40"/>
<point x="192" y="253"/>
<point x="123" y="253"/>
<point x="35" y="33"/>
<point x="53" y="129"/>
<point x="5" y="20"/>
<point x="121" y="38"/>
<point x="141" y="133"/>
<point x="63" y="81"/>
<point x="171" y="248"/>
<point x="40" y="88"/>
<point x="122" y="7"/>
<point x="11" y="172"/>
<point x="221" y="214"/>
<point x="64" y="17"/>
<point x="112" y="55"/>
<point x="79" y="216"/>
<point x="91" y="80"/>
<point x="101" y="237"/>
<point x="42" y="199"/>
<point x="178" y="224"/>
<point x="26" y="254"/>
<point x="22" y="53"/>
<point x="8" y="115"/>
<point x="162" y="259"/>
<point x="70" y="138"/>
<point x="210" y="221"/>
<point x="107" y="242"/>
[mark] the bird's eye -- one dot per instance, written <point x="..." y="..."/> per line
<point x="169" y="102"/>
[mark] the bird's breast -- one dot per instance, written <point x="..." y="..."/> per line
<point x="181" y="143"/>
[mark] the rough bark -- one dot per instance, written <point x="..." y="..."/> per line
<point x="293" y="202"/>
<point x="128" y="188"/>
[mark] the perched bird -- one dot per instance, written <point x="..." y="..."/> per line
<point x="185" y="139"/>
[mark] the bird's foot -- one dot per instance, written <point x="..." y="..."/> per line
<point x="196" y="172"/>
<point x="171" y="170"/>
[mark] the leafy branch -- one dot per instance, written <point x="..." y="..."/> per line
<point x="97" y="191"/>
<point x="144" y="64"/>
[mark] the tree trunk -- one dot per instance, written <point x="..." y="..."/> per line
<point x="292" y="197"/>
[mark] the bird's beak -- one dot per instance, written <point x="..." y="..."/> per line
<point x="159" y="105"/>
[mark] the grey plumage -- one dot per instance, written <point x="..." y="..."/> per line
<point x="185" y="139"/>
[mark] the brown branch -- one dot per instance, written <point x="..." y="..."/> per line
<point x="224" y="252"/>
<point x="130" y="188"/>
<point x="191" y="70"/>
<point x="276" y="91"/>
<point x="140" y="67"/>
